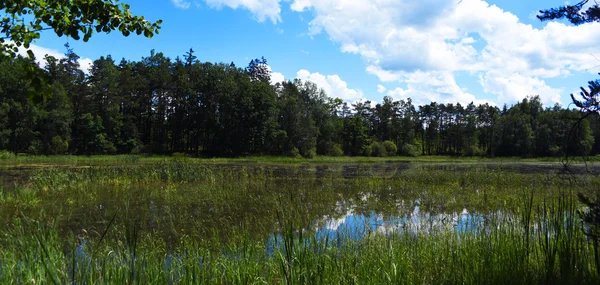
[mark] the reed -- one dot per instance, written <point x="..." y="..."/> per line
<point x="176" y="222"/>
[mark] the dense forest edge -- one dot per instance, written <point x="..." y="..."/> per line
<point x="184" y="106"/>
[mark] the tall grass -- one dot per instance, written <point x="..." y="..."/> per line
<point x="174" y="222"/>
<point x="8" y="159"/>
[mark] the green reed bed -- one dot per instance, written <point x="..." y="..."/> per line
<point x="173" y="222"/>
<point x="8" y="159"/>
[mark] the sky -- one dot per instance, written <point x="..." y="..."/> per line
<point x="446" y="51"/>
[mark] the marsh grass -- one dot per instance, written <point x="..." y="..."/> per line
<point x="176" y="222"/>
<point x="9" y="159"/>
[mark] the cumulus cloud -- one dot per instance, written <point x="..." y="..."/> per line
<point x="333" y="85"/>
<point x="381" y="88"/>
<point x="402" y="39"/>
<point x="261" y="9"/>
<point x="276" y="77"/>
<point x="511" y="88"/>
<point x="425" y="87"/>
<point x="40" y="52"/>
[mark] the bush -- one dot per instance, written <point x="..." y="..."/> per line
<point x="295" y="153"/>
<point x="102" y="145"/>
<point x="409" y="150"/>
<point x="378" y="149"/>
<point x="390" y="148"/>
<point x="138" y="148"/>
<point x="474" y="151"/>
<point x="367" y="151"/>
<point x="335" y="150"/>
<point x="179" y="155"/>
<point x="35" y="147"/>
<point x="311" y="153"/>
<point x="58" y="146"/>
<point x="6" y="155"/>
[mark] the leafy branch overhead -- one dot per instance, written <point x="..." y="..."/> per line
<point x="573" y="13"/>
<point x="590" y="101"/>
<point x="23" y="21"/>
<point x="577" y="15"/>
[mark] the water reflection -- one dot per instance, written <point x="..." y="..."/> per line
<point x="354" y="225"/>
<point x="357" y="225"/>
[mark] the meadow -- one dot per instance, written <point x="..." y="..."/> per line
<point x="159" y="220"/>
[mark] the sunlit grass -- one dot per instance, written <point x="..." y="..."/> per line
<point x="72" y="160"/>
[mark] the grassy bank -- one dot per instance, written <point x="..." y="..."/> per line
<point x="7" y="159"/>
<point x="181" y="222"/>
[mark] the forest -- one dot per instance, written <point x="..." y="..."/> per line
<point x="159" y="105"/>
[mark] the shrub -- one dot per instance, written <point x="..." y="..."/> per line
<point x="58" y="146"/>
<point x="409" y="150"/>
<point x="103" y="146"/>
<point x="295" y="153"/>
<point x="335" y="150"/>
<point x="179" y="155"/>
<point x="137" y="148"/>
<point x="6" y="155"/>
<point x="378" y="149"/>
<point x="390" y="148"/>
<point x="474" y="151"/>
<point x="311" y="153"/>
<point x="367" y="151"/>
<point x="35" y="147"/>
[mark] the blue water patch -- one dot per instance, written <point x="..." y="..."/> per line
<point x="356" y="226"/>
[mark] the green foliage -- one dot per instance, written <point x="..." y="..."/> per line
<point x="377" y="149"/>
<point x="58" y="146"/>
<point x="367" y="151"/>
<point x="335" y="150"/>
<point x="295" y="153"/>
<point x="473" y="150"/>
<point x="35" y="147"/>
<point x="161" y="106"/>
<point x="356" y="137"/>
<point x="90" y="137"/>
<point x="6" y="155"/>
<point x="136" y="147"/>
<point x="24" y="21"/>
<point x="71" y="18"/>
<point x="178" y="155"/>
<point x="390" y="148"/>
<point x="409" y="150"/>
<point x="311" y="153"/>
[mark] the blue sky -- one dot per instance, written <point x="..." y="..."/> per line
<point x="446" y="51"/>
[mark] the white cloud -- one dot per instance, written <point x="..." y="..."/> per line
<point x="86" y="64"/>
<point x="333" y="85"/>
<point x="425" y="87"/>
<point x="183" y="4"/>
<point x="276" y="77"/>
<point x="515" y="87"/>
<point x="398" y="38"/>
<point x="40" y="52"/>
<point x="261" y="9"/>
<point x="381" y="88"/>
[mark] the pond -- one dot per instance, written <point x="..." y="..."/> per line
<point x="222" y="201"/>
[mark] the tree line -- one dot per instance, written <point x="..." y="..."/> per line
<point x="182" y="105"/>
